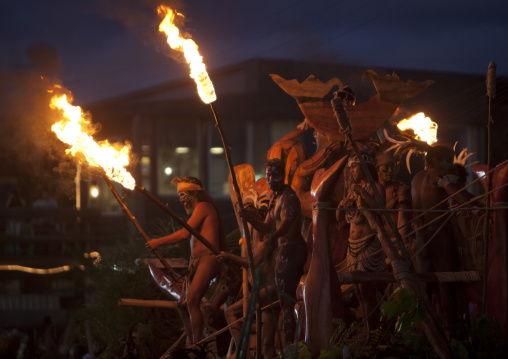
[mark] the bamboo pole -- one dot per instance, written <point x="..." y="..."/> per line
<point x="128" y="302"/>
<point x="140" y="230"/>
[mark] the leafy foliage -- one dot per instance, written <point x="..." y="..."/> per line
<point x="126" y="331"/>
<point x="408" y="312"/>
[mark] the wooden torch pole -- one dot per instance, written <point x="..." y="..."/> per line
<point x="248" y="241"/>
<point x="491" y="93"/>
<point x="133" y="219"/>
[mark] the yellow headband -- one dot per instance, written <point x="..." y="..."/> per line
<point x="186" y="186"/>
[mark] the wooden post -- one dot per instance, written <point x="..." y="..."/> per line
<point x="491" y="93"/>
<point x="128" y="302"/>
<point x="245" y="277"/>
<point x="140" y="230"/>
<point x="243" y="353"/>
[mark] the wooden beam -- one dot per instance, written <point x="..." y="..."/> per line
<point x="126" y="302"/>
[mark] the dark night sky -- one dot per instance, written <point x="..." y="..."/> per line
<point x="109" y="47"/>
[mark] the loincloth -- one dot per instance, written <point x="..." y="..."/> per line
<point x="365" y="254"/>
<point x="191" y="270"/>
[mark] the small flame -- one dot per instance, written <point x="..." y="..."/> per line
<point x="70" y="130"/>
<point x="423" y="127"/>
<point x="190" y="50"/>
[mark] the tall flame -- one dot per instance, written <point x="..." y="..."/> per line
<point x="423" y="127"/>
<point x="70" y="130"/>
<point x="190" y="50"/>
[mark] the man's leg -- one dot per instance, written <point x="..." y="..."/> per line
<point x="184" y="315"/>
<point x="270" y="320"/>
<point x="288" y="270"/>
<point x="233" y="313"/>
<point x="268" y="333"/>
<point x="208" y="269"/>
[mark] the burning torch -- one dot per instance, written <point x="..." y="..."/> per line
<point x="112" y="161"/>
<point x="205" y="89"/>
<point x="72" y="129"/>
<point x="206" y="92"/>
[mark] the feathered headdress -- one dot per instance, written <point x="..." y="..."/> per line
<point x="410" y="146"/>
<point x="463" y="157"/>
<point x="256" y="198"/>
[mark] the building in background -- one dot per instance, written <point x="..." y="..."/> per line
<point x="173" y="134"/>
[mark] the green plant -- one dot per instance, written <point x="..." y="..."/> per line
<point x="117" y="330"/>
<point x="358" y="343"/>
<point x="407" y="313"/>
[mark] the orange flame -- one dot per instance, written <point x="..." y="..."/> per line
<point x="70" y="130"/>
<point x="190" y="50"/>
<point x="423" y="127"/>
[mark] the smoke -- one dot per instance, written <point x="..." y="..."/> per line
<point x="29" y="149"/>
<point x="141" y="18"/>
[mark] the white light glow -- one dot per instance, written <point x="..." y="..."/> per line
<point x="216" y="150"/>
<point x="94" y="191"/>
<point x="182" y="150"/>
<point x="480" y="174"/>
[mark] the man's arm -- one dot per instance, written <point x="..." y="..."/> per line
<point x="226" y="257"/>
<point x="198" y="216"/>
<point x="449" y="183"/>
<point x="262" y="227"/>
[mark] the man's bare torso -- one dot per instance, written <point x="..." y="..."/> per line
<point x="209" y="229"/>
<point x="427" y="194"/>
<point x="286" y="208"/>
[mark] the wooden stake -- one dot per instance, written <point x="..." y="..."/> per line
<point x="491" y="93"/>
<point x="133" y="219"/>
<point x="248" y="241"/>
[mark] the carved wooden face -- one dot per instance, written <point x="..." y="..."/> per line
<point x="357" y="173"/>
<point x="385" y="172"/>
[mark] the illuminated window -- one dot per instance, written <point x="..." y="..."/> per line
<point x="216" y="150"/>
